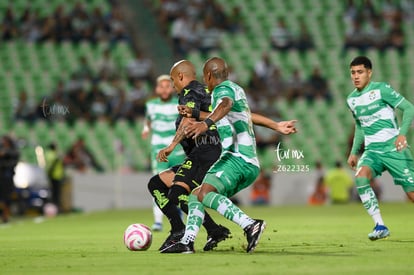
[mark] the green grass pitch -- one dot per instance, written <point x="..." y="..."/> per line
<point x="297" y="240"/>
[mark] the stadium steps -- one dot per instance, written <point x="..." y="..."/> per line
<point x="323" y="129"/>
<point x="327" y="28"/>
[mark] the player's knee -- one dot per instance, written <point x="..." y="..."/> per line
<point x="196" y="193"/>
<point x="178" y="194"/>
<point x="200" y="196"/>
<point x="410" y="195"/>
<point x="155" y="183"/>
<point x="364" y="172"/>
<point x="204" y="190"/>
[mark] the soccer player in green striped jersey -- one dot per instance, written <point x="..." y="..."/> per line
<point x="160" y="115"/>
<point x="385" y="144"/>
<point x="238" y="165"/>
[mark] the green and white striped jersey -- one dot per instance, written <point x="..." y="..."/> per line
<point x="373" y="109"/>
<point x="235" y="129"/>
<point x="162" y="116"/>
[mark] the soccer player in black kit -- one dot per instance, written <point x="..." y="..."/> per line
<point x="171" y="187"/>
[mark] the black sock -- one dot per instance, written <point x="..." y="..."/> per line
<point x="160" y="192"/>
<point x="179" y="195"/>
<point x="209" y="224"/>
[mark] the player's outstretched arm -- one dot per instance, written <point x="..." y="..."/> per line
<point x="283" y="127"/>
<point x="163" y="154"/>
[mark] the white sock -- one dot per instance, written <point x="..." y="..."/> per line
<point x="195" y="219"/>
<point x="228" y="209"/>
<point x="377" y="218"/>
<point x="370" y="202"/>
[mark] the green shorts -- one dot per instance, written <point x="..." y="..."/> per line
<point x="399" y="164"/>
<point x="231" y="174"/>
<point x="176" y="157"/>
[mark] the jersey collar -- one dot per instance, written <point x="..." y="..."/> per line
<point x="367" y="88"/>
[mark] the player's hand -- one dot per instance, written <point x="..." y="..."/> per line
<point x="185" y="111"/>
<point x="163" y="154"/>
<point x="194" y="129"/>
<point x="145" y="131"/>
<point x="287" y="127"/>
<point x="145" y="134"/>
<point x="353" y="161"/>
<point x="401" y="143"/>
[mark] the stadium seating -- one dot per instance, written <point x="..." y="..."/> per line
<point x="324" y="129"/>
<point x="37" y="67"/>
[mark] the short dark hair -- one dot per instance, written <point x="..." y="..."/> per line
<point x="338" y="164"/>
<point x="52" y="146"/>
<point x="361" y="60"/>
<point x="218" y="68"/>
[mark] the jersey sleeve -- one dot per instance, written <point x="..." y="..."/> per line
<point x="191" y="99"/>
<point x="206" y="104"/>
<point x="147" y="115"/>
<point x="358" y="139"/>
<point x="408" y="116"/>
<point x="390" y="96"/>
<point x="222" y="92"/>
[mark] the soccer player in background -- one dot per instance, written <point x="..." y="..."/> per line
<point x="55" y="171"/>
<point x="160" y="115"/>
<point x="238" y="165"/>
<point x="340" y="184"/>
<point x="385" y="144"/>
<point x="9" y="156"/>
<point x="171" y="187"/>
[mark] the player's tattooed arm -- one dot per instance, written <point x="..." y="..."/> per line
<point x="163" y="154"/>
<point x="180" y="133"/>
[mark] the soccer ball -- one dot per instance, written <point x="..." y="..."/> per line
<point x="138" y="237"/>
<point x="50" y="210"/>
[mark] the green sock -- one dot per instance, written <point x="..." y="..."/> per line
<point x="369" y="199"/>
<point x="194" y="219"/>
<point x="227" y="208"/>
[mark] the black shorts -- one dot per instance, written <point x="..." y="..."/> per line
<point x="196" y="165"/>
<point x="6" y="189"/>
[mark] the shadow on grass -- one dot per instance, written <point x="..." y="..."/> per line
<point x="400" y="241"/>
<point x="285" y="252"/>
<point x="313" y="253"/>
